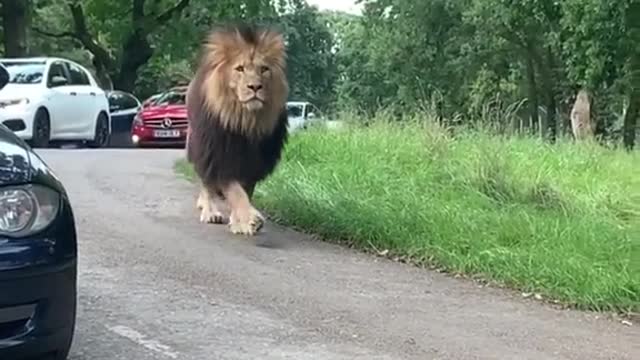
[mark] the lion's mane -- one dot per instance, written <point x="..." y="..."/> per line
<point x="225" y="141"/>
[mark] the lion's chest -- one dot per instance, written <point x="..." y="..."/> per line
<point x="221" y="155"/>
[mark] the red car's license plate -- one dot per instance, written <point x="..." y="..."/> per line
<point x="166" y="133"/>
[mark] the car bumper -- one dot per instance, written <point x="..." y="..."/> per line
<point x="37" y="313"/>
<point x="38" y="289"/>
<point x="18" y="119"/>
<point x="143" y="136"/>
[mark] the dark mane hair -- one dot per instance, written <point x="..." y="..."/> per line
<point x="221" y="154"/>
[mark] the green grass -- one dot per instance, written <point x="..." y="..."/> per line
<point x="561" y="220"/>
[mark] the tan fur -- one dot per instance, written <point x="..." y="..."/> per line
<point x="245" y="85"/>
<point x="225" y="88"/>
<point x="210" y="206"/>
<point x="581" y="117"/>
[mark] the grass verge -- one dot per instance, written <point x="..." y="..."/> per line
<point x="561" y="220"/>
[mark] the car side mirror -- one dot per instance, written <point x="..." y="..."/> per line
<point x="58" y="81"/>
<point x="4" y="76"/>
<point x="311" y="115"/>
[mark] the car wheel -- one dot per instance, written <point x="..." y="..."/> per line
<point x="41" y="129"/>
<point x="101" y="135"/>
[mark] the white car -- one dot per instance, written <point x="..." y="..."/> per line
<point x="53" y="99"/>
<point x="301" y="114"/>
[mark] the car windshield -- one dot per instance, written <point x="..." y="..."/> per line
<point x="170" y="98"/>
<point x="294" y="111"/>
<point x="21" y="72"/>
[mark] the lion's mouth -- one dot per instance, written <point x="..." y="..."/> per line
<point x="253" y="104"/>
<point x="253" y="99"/>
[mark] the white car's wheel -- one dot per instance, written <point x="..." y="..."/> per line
<point x="101" y="135"/>
<point x="41" y="129"/>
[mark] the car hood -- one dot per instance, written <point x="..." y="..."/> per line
<point x="16" y="91"/>
<point x="15" y="160"/>
<point x="172" y="111"/>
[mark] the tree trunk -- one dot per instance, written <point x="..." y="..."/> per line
<point x="630" y="127"/>
<point x="136" y="52"/>
<point x="16" y="19"/>
<point x="533" y="94"/>
<point x="550" y="89"/>
<point x="599" y="118"/>
<point x="545" y="67"/>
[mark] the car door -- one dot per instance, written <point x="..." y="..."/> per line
<point x="295" y="114"/>
<point x="82" y="121"/>
<point x="60" y="100"/>
<point x="123" y="108"/>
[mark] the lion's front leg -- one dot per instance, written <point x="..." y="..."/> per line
<point x="209" y="204"/>
<point x="244" y="219"/>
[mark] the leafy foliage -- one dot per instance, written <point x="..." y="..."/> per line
<point x="522" y="61"/>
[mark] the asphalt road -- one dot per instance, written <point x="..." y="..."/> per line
<point x="156" y="284"/>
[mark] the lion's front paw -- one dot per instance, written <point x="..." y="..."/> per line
<point x="246" y="222"/>
<point x="211" y="215"/>
<point x="201" y="201"/>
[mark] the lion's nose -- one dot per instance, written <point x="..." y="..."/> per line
<point x="255" y="87"/>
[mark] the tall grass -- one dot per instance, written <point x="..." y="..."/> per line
<point x="562" y="220"/>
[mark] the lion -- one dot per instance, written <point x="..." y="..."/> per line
<point x="581" y="117"/>
<point x="238" y="124"/>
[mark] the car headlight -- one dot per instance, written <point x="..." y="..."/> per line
<point x="26" y="210"/>
<point x="14" y="102"/>
<point x="137" y="121"/>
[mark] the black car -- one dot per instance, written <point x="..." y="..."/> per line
<point x="38" y="255"/>
<point x="123" y="107"/>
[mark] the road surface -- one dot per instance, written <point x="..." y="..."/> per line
<point x="156" y="284"/>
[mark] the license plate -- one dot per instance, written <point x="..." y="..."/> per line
<point x="166" y="133"/>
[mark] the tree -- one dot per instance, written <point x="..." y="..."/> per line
<point x="311" y="67"/>
<point x="121" y="66"/>
<point x="600" y="39"/>
<point x="16" y="19"/>
<point x="630" y="124"/>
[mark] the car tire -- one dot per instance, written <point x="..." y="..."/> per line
<point x="101" y="134"/>
<point x="41" y="129"/>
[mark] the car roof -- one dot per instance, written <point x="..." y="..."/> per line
<point x="298" y="103"/>
<point x="28" y="59"/>
<point x="40" y="59"/>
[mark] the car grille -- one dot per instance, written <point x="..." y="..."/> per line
<point x="159" y="123"/>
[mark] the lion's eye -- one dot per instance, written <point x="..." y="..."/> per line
<point x="264" y="69"/>
<point x="240" y="68"/>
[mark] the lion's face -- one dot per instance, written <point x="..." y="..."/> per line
<point x="250" y="80"/>
<point x="244" y="77"/>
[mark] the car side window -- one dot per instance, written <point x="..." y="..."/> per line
<point x="78" y="76"/>
<point x="57" y="75"/>
<point x="128" y="102"/>
<point x="116" y="101"/>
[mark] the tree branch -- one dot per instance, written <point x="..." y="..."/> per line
<point x="138" y="10"/>
<point x="168" y="14"/>
<point x="81" y="31"/>
<point x="59" y="35"/>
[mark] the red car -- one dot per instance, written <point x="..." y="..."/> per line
<point x="162" y="122"/>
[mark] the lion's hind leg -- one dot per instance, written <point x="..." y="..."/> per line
<point x="209" y="204"/>
<point x="244" y="219"/>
